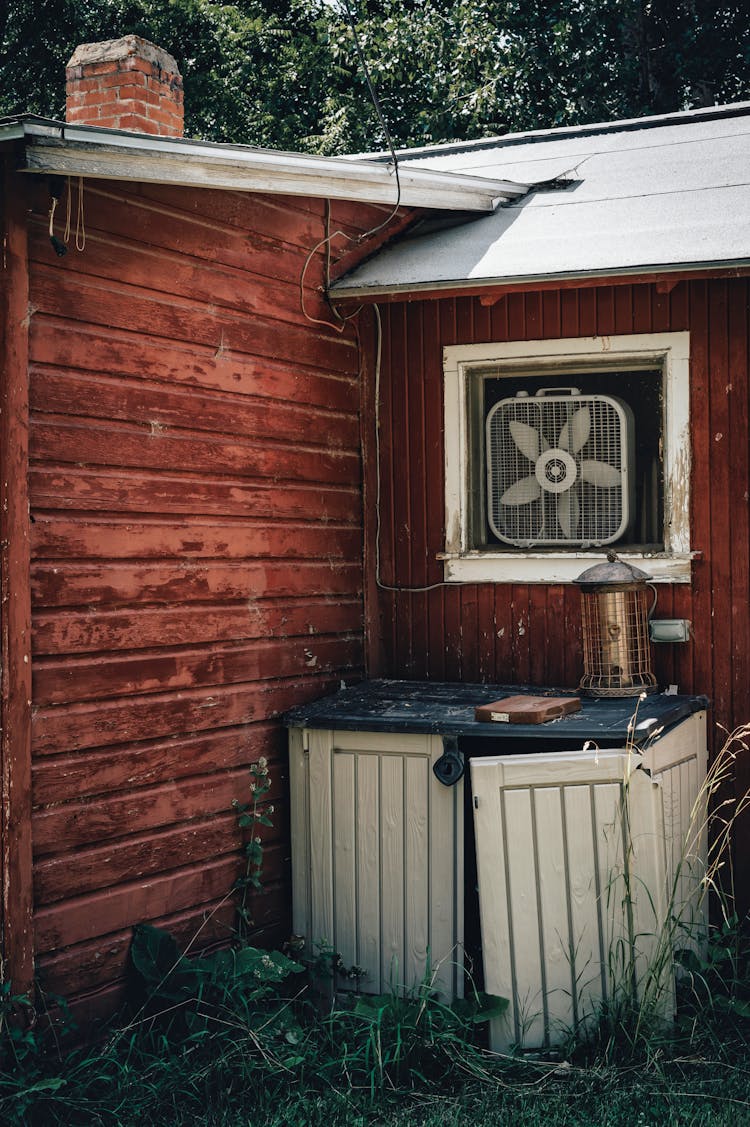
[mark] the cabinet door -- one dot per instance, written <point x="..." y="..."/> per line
<point x="571" y="870"/>
<point x="381" y="843"/>
<point x="677" y="762"/>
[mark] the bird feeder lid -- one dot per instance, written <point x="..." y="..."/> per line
<point x="613" y="573"/>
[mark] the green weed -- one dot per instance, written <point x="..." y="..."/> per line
<point x="239" y="1038"/>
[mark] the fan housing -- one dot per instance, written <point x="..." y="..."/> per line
<point x="560" y="469"/>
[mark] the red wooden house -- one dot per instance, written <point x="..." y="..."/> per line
<point x="222" y="494"/>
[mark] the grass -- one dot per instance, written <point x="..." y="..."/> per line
<point x="246" y="1037"/>
<point x="242" y="1038"/>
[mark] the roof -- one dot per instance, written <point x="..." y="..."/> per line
<point x="56" y="148"/>
<point x="630" y="197"/>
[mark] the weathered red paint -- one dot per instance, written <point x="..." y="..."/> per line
<point x="196" y="554"/>
<point x="16" y="940"/>
<point x="517" y="633"/>
<point x="196" y="551"/>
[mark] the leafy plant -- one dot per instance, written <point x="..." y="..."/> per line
<point x="287" y="74"/>
<point x="410" y="1039"/>
<point x="250" y="816"/>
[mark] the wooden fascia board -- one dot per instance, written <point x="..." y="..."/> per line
<point x="490" y="293"/>
<point x="260" y="171"/>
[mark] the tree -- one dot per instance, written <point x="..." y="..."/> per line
<point x="289" y="74"/>
<point x="253" y="70"/>
<point x="461" y="69"/>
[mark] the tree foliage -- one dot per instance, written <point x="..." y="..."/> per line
<point x="289" y="74"/>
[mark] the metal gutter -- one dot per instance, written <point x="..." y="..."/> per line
<point x="54" y="148"/>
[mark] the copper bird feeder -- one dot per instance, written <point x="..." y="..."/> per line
<point x="616" y="649"/>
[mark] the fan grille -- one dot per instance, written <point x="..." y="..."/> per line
<point x="562" y="475"/>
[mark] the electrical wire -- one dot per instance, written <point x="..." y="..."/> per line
<point x="80" y="222"/>
<point x="379" y="112"/>
<point x="358" y="239"/>
<point x="326" y="242"/>
<point x="378" y="580"/>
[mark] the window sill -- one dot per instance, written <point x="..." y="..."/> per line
<point x="555" y="567"/>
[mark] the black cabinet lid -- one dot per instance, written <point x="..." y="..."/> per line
<point x="448" y="709"/>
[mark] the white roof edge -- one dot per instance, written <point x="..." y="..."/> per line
<point x="345" y="288"/>
<point x="56" y="148"/>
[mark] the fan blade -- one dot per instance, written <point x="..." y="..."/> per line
<point x="600" y="474"/>
<point x="568" y="513"/>
<point x="575" y="434"/>
<point x="522" y="492"/>
<point x="526" y="439"/>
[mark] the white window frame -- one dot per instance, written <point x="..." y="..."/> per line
<point x="668" y="351"/>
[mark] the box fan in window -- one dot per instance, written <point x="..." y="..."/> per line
<point x="560" y="468"/>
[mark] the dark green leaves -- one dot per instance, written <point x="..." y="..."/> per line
<point x="287" y="75"/>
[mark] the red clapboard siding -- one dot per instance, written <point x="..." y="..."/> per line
<point x="196" y="555"/>
<point x="122" y="447"/>
<point x="161" y="407"/>
<point x="181" y="365"/>
<point x="63" y="778"/>
<point x="103" y="960"/>
<point x="58" y="681"/>
<point x="101" y="963"/>
<point x="224" y="287"/>
<point x="80" y="632"/>
<point x="154" y="312"/>
<point x="517" y="633"/>
<point x="119" y="815"/>
<point x="72" y="489"/>
<point x="78" y="726"/>
<point x="140" y="855"/>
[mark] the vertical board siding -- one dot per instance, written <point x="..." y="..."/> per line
<point x="576" y="879"/>
<point x="518" y="633"/>
<point x="16" y="894"/>
<point x="196" y="557"/>
<point x="378" y="867"/>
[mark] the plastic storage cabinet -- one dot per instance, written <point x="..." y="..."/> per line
<point x="590" y="869"/>
<point x="377" y="845"/>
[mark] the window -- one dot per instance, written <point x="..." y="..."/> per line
<point x="556" y="451"/>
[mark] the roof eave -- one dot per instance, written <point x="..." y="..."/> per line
<point x="344" y="289"/>
<point x="57" y="149"/>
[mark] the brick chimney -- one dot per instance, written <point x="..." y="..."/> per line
<point x="125" y="83"/>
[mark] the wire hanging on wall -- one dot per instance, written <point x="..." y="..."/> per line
<point x="326" y="242"/>
<point x="381" y="117"/>
<point x="378" y="580"/>
<point x="80" y="222"/>
<point x="60" y="247"/>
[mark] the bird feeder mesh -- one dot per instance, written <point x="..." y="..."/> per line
<point x="616" y="651"/>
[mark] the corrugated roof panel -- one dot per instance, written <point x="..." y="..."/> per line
<point x="657" y="198"/>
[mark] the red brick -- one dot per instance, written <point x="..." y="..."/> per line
<point x="163" y="114"/>
<point x="134" y="90"/>
<point x="137" y="123"/>
<point x="85" y="115"/>
<point x="92" y="69"/>
<point x="143" y="65"/>
<point x="96" y="98"/>
<point x="133" y="106"/>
